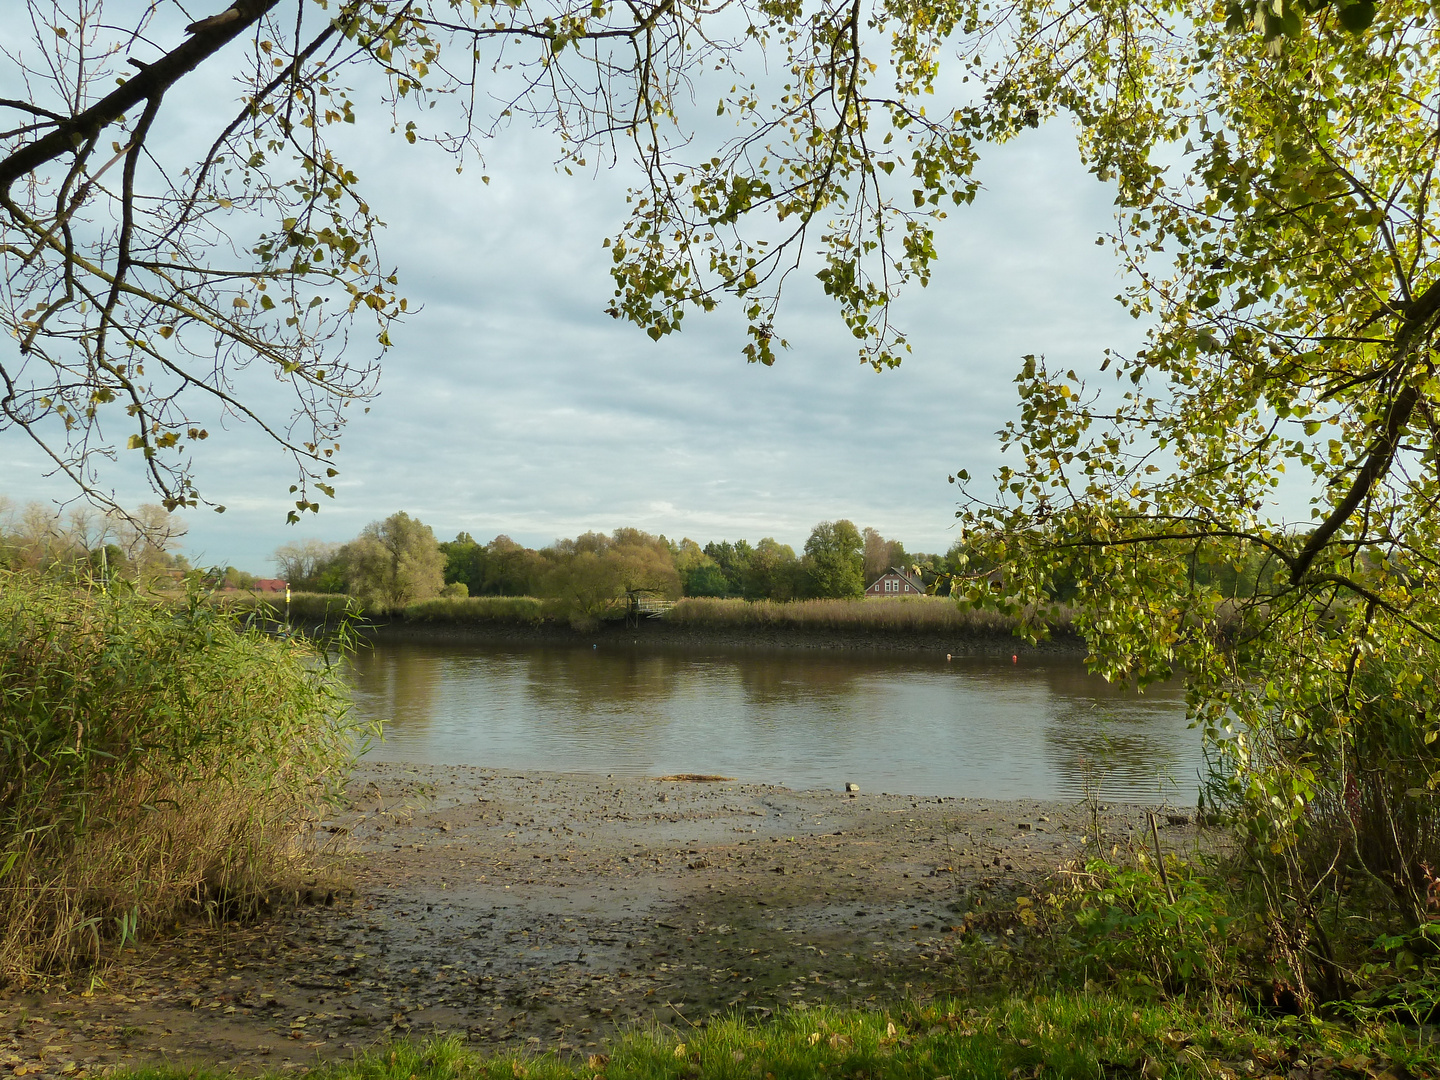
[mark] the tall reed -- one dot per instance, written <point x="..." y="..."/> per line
<point x="152" y="760"/>
<point x="524" y="610"/>
<point x="913" y="615"/>
<point x="303" y="607"/>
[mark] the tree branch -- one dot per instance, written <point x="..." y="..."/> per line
<point x="153" y="80"/>
<point x="1382" y="452"/>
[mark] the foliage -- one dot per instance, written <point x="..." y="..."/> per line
<point x="708" y="580"/>
<point x="268" y="610"/>
<point x="1277" y="219"/>
<point x="733" y="559"/>
<point x="394" y="562"/>
<point x="464" y="563"/>
<point x="311" y="566"/>
<point x="699" y="574"/>
<point x="1128" y="930"/>
<point x="772" y="572"/>
<point x="881" y="555"/>
<point x="499" y="568"/>
<point x="153" y="760"/>
<point x="834" y="563"/>
<point x="594" y="574"/>
<point x="251" y="242"/>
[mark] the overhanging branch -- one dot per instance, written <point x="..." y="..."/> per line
<point x="152" y="80"/>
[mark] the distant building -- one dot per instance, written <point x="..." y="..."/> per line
<point x="268" y="584"/>
<point x="895" y="583"/>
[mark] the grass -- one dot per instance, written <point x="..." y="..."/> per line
<point x="154" y="760"/>
<point x="1076" y="1036"/>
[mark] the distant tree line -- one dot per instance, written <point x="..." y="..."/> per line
<point x="399" y="561"/>
<point x="86" y="543"/>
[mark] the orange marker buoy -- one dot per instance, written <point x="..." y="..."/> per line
<point x="1014" y="659"/>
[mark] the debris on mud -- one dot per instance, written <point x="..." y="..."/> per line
<point x="549" y="910"/>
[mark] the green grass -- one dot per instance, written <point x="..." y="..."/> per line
<point x="1076" y="1036"/>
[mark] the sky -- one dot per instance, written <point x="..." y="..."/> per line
<point x="511" y="403"/>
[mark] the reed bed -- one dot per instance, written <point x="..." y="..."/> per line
<point x="304" y="607"/>
<point x="901" y="615"/>
<point x="897" y="615"/>
<point x="154" y="760"/>
<point x="523" y="610"/>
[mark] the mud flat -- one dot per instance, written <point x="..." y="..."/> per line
<point x="547" y="911"/>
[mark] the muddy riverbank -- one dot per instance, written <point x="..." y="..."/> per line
<point x="547" y="911"/>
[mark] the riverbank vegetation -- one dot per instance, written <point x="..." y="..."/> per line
<point x="1274" y="173"/>
<point x="1273" y="165"/>
<point x="592" y="571"/>
<point x="155" y="762"/>
<point x="901" y="615"/>
<point x="913" y="616"/>
<point x="1077" y="1036"/>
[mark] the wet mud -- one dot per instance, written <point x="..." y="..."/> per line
<point x="549" y="911"/>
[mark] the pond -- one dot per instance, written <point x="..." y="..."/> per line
<point x="900" y="723"/>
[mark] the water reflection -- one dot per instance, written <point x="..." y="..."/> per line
<point x="920" y="725"/>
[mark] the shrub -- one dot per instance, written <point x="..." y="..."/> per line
<point x="152" y="760"/>
<point x="1187" y="930"/>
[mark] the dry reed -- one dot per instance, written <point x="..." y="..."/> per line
<point x="901" y="615"/>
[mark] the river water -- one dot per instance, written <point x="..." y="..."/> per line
<point x="919" y="725"/>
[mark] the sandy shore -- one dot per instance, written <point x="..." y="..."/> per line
<point x="548" y="910"/>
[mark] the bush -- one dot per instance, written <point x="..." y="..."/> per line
<point x="152" y="760"/>
<point x="1127" y="927"/>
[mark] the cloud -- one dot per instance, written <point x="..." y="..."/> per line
<point x="512" y="403"/>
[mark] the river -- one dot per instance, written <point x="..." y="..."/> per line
<point x="900" y="723"/>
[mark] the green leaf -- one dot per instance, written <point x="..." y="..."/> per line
<point x="1357" y="16"/>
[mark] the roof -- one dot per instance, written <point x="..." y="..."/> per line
<point x="894" y="572"/>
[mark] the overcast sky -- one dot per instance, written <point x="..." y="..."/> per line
<point x="511" y="403"/>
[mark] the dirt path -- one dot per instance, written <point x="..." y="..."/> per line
<point x="548" y="910"/>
